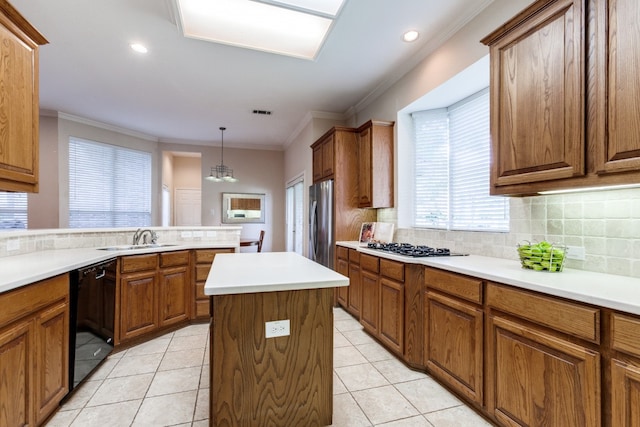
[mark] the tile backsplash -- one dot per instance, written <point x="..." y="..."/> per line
<point x="25" y="241"/>
<point x="605" y="223"/>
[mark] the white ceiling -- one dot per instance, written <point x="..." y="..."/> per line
<point x="183" y="89"/>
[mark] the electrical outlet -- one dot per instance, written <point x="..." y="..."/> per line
<point x="186" y="234"/>
<point x="576" y="252"/>
<point x="13" y="245"/>
<point x="211" y="233"/>
<point x="198" y="233"/>
<point x="277" y="328"/>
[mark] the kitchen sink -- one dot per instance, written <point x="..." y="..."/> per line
<point x="134" y="247"/>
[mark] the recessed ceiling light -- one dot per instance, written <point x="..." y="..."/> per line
<point x="410" y="36"/>
<point x="139" y="48"/>
<point x="285" y="27"/>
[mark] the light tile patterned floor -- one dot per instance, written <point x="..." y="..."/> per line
<point x="165" y="382"/>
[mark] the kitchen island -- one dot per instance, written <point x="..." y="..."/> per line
<point x="265" y="373"/>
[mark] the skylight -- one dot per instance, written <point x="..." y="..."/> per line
<point x="295" y="28"/>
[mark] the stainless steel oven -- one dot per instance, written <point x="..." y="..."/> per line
<point x="93" y="293"/>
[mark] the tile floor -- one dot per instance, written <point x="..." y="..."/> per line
<point x="165" y="382"/>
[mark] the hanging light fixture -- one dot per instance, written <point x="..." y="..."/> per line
<point x="221" y="172"/>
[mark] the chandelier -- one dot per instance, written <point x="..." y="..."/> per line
<point x="221" y="172"/>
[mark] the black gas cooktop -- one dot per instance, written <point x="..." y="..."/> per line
<point x="407" y="249"/>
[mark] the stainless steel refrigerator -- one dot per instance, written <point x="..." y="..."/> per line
<point x="321" y="241"/>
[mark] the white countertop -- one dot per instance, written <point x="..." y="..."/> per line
<point x="241" y="273"/>
<point x="20" y="270"/>
<point x="605" y="290"/>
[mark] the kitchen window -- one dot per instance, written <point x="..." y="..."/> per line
<point x="13" y="211"/>
<point x="109" y="186"/>
<point x="452" y="159"/>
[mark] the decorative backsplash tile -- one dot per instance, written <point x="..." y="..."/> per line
<point x="26" y="241"/>
<point x="605" y="223"/>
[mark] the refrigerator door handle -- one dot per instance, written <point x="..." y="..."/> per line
<point x="314" y="230"/>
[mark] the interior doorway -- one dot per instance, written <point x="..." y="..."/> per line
<point x="295" y="215"/>
<point x="187" y="206"/>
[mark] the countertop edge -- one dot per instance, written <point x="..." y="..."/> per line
<point x="600" y="289"/>
<point x="25" y="269"/>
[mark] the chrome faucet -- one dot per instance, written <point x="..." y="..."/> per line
<point x="140" y="233"/>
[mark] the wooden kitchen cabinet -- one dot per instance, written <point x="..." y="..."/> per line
<point x="323" y="158"/>
<point x="174" y="296"/>
<point x="625" y="370"/>
<point x="342" y="267"/>
<point x="375" y="164"/>
<point x="355" y="284"/>
<point x="565" y="96"/>
<point x="370" y="281"/>
<point x="537" y="374"/>
<point x="537" y="95"/>
<point x="34" y="351"/>
<point x="19" y="140"/>
<point x="138" y="305"/>
<point x="454" y="338"/>
<point x="392" y="304"/>
<point x="614" y="97"/>
<point x="156" y="292"/>
<point x="202" y="265"/>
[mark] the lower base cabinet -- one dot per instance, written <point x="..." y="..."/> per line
<point x="34" y="351"/>
<point x="541" y="380"/>
<point x="154" y="292"/>
<point x="202" y="265"/>
<point x="625" y="370"/>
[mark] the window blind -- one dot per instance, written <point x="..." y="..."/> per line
<point x="13" y="210"/>
<point x="109" y="186"/>
<point x="457" y="179"/>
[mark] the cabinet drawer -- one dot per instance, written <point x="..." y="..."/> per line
<point x="467" y="288"/>
<point x="625" y="333"/>
<point x="572" y="318"/>
<point x="129" y="264"/>
<point x="202" y="272"/>
<point x="369" y="263"/>
<point x="169" y="259"/>
<point x="342" y="252"/>
<point x="207" y="255"/>
<point x="392" y="269"/>
<point x="200" y="291"/>
<point x="20" y="302"/>
<point x="354" y="256"/>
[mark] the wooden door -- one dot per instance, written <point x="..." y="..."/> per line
<point x="618" y="99"/>
<point x="392" y="314"/>
<point x="370" y="310"/>
<point x="16" y="371"/>
<point x="173" y="295"/>
<point x="327" y="157"/>
<point x="625" y="393"/>
<point x="537" y="379"/>
<point x="138" y="307"/>
<point x="454" y="343"/>
<point x="342" y="267"/>
<point x="364" y="168"/>
<point x="355" y="290"/>
<point x="317" y="163"/>
<point x="52" y="359"/>
<point x="537" y="96"/>
<point x="19" y="110"/>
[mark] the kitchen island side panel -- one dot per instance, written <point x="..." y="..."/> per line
<point x="281" y="381"/>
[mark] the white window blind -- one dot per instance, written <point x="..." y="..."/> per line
<point x="109" y="186"/>
<point x="13" y="210"/>
<point x="452" y="156"/>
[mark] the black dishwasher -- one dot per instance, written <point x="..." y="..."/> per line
<point x="93" y="297"/>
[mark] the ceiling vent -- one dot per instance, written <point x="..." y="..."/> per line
<point x="262" y="112"/>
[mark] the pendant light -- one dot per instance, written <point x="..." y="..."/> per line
<point x="221" y="172"/>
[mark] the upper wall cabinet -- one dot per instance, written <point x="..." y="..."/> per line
<point x="565" y="97"/>
<point x="19" y="110"/>
<point x="375" y="164"/>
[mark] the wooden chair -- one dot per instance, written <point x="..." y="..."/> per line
<point x="260" y="240"/>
